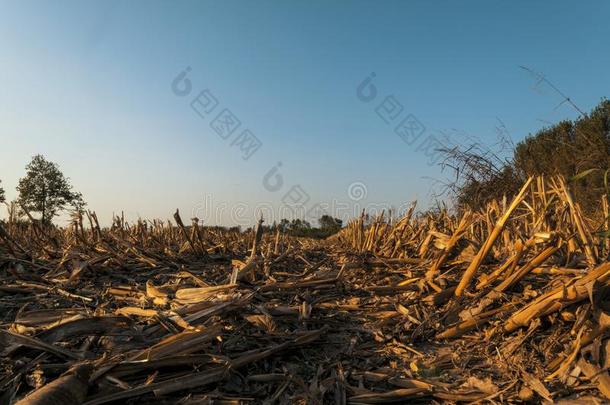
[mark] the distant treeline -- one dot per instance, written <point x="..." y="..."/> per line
<point x="578" y="150"/>
<point x="44" y="191"/>
<point x="327" y="226"/>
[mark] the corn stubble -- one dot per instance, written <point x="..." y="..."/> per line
<point x="507" y="304"/>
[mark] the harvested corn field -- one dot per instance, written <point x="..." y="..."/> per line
<point x="506" y="304"/>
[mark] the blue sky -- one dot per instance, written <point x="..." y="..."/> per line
<point x="89" y="85"/>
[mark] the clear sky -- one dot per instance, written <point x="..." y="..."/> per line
<point x="89" y="85"/>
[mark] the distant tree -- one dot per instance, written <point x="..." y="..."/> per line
<point x="45" y="190"/>
<point x="299" y="226"/>
<point x="330" y="224"/>
<point x="2" y="198"/>
<point x="302" y="228"/>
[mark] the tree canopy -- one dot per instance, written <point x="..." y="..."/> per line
<point x="2" y="198"/>
<point x="301" y="227"/>
<point x="330" y="224"/>
<point x="569" y="148"/>
<point x="45" y="190"/>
